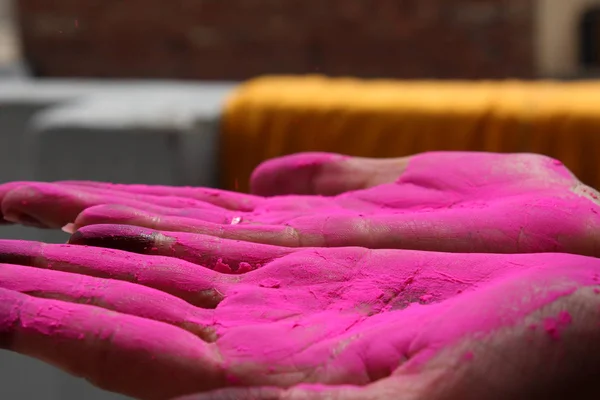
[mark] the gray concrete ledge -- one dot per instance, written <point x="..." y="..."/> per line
<point x="127" y="131"/>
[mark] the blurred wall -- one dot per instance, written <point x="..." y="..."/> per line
<point x="238" y="39"/>
<point x="558" y="30"/>
<point x="8" y="42"/>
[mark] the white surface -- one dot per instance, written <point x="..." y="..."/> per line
<point x="29" y="90"/>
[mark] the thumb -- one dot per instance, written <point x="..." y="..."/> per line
<point x="326" y="174"/>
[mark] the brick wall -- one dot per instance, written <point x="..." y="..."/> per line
<point x="238" y="39"/>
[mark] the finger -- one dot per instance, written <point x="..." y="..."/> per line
<point x="443" y="230"/>
<point x="222" y="255"/>
<point x="122" y="353"/>
<point x="115" y="295"/>
<point x="450" y="229"/>
<point x="54" y="206"/>
<point x="198" y="286"/>
<point x="278" y="235"/>
<point x="116" y="214"/>
<point x="411" y="231"/>
<point x="323" y="174"/>
<point x="4" y="189"/>
<point x="222" y="198"/>
<point x="514" y="224"/>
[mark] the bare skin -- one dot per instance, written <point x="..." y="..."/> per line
<point x="315" y="323"/>
<point x="456" y="202"/>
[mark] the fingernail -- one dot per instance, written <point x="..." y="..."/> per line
<point x="69" y="228"/>
<point x="138" y="242"/>
<point x="24" y="219"/>
<point x="12" y="218"/>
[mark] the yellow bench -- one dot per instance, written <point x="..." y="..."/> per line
<point x="273" y="116"/>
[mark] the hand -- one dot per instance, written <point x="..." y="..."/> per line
<point x="456" y="202"/>
<point x="333" y="323"/>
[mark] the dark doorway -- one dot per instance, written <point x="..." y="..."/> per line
<point x="589" y="39"/>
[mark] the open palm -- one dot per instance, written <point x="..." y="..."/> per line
<point x="314" y="323"/>
<point x="452" y="201"/>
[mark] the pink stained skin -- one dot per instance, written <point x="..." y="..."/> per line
<point x="313" y="323"/>
<point x="445" y="201"/>
<point x="318" y="323"/>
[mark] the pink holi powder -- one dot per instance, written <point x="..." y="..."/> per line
<point x="220" y="266"/>
<point x="327" y="303"/>
<point x="430" y="207"/>
<point x="332" y="304"/>
<point x="244" y="268"/>
<point x="270" y="283"/>
<point x="554" y="326"/>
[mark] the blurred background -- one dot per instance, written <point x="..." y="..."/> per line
<point x="198" y="92"/>
<point x="240" y="39"/>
